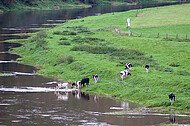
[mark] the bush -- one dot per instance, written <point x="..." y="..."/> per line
<point x="77" y="66"/>
<point x="94" y="49"/>
<point x="90" y="40"/>
<point x="65" y="33"/>
<point x="183" y="72"/>
<point x="174" y="64"/>
<point x="68" y="59"/>
<point x="64" y="43"/>
<point x="39" y="40"/>
<point x="63" y="38"/>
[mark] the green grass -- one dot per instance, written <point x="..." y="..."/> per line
<point x="83" y="47"/>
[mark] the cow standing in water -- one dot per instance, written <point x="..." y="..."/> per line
<point x="62" y="85"/>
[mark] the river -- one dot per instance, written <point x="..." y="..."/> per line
<point x="27" y="98"/>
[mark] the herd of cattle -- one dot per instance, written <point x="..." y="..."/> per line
<point x="123" y="74"/>
<point x="84" y="81"/>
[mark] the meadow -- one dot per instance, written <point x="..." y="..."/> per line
<point x="82" y="47"/>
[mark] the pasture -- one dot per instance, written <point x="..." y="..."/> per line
<point x="82" y="47"/>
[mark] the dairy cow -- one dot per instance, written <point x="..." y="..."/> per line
<point x="85" y="81"/>
<point x="95" y="77"/>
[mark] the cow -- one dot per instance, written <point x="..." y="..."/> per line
<point x="124" y="73"/>
<point x="77" y="84"/>
<point x="85" y="80"/>
<point x="62" y="85"/>
<point x="172" y="98"/>
<point x="128" y="66"/>
<point x="147" y="68"/>
<point x="95" y="77"/>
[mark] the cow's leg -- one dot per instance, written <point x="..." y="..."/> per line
<point x="121" y="77"/>
<point x="146" y="70"/>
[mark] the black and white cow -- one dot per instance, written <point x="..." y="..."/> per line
<point x="147" y="68"/>
<point x="172" y="98"/>
<point x="124" y="73"/>
<point x="77" y="84"/>
<point x="85" y="80"/>
<point x="128" y="66"/>
<point x="62" y="85"/>
<point x="95" y="77"/>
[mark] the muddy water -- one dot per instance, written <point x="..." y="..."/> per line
<point x="30" y="99"/>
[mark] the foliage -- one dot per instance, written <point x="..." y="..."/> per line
<point x="39" y="40"/>
<point x="69" y="59"/>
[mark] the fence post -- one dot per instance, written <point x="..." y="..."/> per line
<point x="176" y="36"/>
<point x="186" y="36"/>
<point x="158" y="34"/>
<point x="166" y="36"/>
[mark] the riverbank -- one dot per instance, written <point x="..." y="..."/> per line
<point x="83" y="47"/>
<point x="41" y="5"/>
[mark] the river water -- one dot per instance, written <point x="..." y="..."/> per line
<point x="30" y="99"/>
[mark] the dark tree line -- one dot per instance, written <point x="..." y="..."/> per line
<point x="30" y="2"/>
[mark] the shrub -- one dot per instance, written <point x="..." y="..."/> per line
<point x="164" y="69"/>
<point x="65" y="33"/>
<point x="64" y="43"/>
<point x="63" y="38"/>
<point x="77" y="66"/>
<point x="39" y="40"/>
<point x="94" y="49"/>
<point x="183" y="72"/>
<point x="90" y="40"/>
<point x="174" y="64"/>
<point x="68" y="59"/>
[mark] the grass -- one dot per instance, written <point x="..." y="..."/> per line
<point x="82" y="47"/>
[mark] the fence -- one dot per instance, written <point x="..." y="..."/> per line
<point x="178" y="37"/>
<point x="161" y="35"/>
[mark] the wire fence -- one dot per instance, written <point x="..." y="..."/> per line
<point x="178" y="37"/>
<point x="162" y="35"/>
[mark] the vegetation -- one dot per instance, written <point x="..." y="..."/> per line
<point x="59" y="4"/>
<point x="39" y="4"/>
<point x="82" y="47"/>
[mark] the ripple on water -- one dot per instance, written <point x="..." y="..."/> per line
<point x="16" y="121"/>
<point x="4" y="104"/>
<point x="34" y="89"/>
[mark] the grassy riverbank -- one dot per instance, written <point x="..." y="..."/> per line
<point x="41" y="5"/>
<point x="83" y="47"/>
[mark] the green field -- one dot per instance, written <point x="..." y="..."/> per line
<point x="83" y="47"/>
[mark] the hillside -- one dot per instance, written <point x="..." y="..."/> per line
<point x="83" y="47"/>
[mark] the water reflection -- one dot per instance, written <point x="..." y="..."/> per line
<point x="172" y="118"/>
<point x="8" y="57"/>
<point x="62" y="95"/>
<point x="5" y="46"/>
<point x="11" y="67"/>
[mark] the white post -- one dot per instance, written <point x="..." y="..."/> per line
<point x="128" y="25"/>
